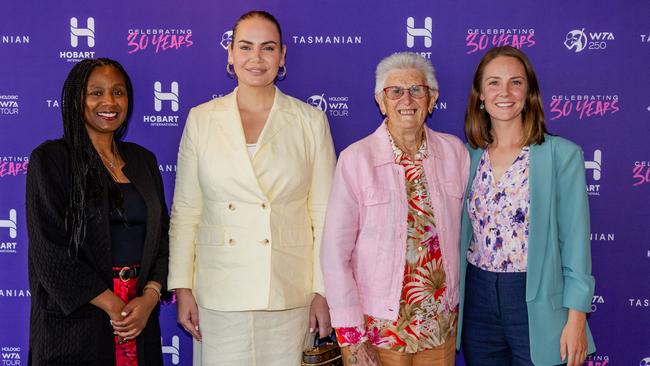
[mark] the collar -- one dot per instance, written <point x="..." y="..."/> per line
<point x="401" y="156"/>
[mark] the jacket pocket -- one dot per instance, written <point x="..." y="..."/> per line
<point x="63" y="337"/>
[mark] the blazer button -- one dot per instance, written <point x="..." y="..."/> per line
<point x="264" y="206"/>
<point x="231" y="241"/>
<point x="265" y="241"/>
<point x="231" y="206"/>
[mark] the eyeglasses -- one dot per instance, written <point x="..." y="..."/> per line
<point x="416" y="91"/>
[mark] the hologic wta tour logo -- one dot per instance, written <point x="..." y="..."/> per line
<point x="583" y="105"/>
<point x="169" y="97"/>
<point x="9" y="104"/>
<point x="81" y="36"/>
<point x="158" y="39"/>
<point x="10" y="355"/>
<point x="332" y="106"/>
<point x="479" y="39"/>
<point x="578" y="40"/>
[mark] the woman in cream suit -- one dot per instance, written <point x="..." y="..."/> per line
<point x="254" y="174"/>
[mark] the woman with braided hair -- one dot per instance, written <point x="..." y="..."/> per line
<point x="97" y="227"/>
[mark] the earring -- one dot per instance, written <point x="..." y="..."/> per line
<point x="230" y="70"/>
<point x="481" y="106"/>
<point x="282" y="72"/>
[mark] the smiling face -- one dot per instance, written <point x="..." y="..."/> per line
<point x="106" y="101"/>
<point x="406" y="113"/>
<point x="504" y="88"/>
<point x="256" y="53"/>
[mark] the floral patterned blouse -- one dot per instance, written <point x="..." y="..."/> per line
<point x="499" y="215"/>
<point x="426" y="318"/>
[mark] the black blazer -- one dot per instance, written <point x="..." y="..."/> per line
<point x="64" y="327"/>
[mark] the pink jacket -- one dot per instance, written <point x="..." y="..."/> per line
<point x="364" y="240"/>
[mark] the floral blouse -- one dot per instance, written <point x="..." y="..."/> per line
<point x="426" y="318"/>
<point x="499" y="215"/>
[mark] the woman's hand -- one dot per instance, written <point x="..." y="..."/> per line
<point x="573" y="341"/>
<point x="188" y="312"/>
<point x="110" y="303"/>
<point x="136" y="314"/>
<point x="319" y="316"/>
<point x="362" y="354"/>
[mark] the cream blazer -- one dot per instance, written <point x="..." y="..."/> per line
<point x="245" y="232"/>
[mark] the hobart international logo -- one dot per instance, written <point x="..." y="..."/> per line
<point x="595" y="166"/>
<point x="10" y="223"/>
<point x="578" y="40"/>
<point x="162" y="97"/>
<point x="78" y="34"/>
<point x="172" y="349"/>
<point x="425" y="33"/>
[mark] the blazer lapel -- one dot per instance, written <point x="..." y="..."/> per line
<point x="466" y="235"/>
<point x="278" y="118"/>
<point x="541" y="178"/>
<point x="227" y="117"/>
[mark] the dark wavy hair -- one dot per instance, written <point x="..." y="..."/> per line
<point x="88" y="175"/>
<point x="477" y="121"/>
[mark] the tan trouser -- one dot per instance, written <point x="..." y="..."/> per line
<point x="443" y="355"/>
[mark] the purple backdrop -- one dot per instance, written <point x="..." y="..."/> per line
<point x="591" y="57"/>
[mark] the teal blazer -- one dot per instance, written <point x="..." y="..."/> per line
<point x="559" y="249"/>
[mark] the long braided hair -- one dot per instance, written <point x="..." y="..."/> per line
<point x="88" y="175"/>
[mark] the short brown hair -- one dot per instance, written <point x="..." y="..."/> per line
<point x="477" y="121"/>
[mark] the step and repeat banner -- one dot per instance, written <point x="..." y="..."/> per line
<point x="592" y="59"/>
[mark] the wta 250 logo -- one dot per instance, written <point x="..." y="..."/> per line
<point x="578" y="40"/>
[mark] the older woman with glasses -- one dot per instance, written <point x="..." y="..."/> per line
<point x="390" y="252"/>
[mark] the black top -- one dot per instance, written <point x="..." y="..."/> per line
<point x="65" y="328"/>
<point x="128" y="227"/>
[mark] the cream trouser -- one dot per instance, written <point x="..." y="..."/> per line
<point x="252" y="338"/>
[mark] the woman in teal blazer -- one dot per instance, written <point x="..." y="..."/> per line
<point x="525" y="229"/>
